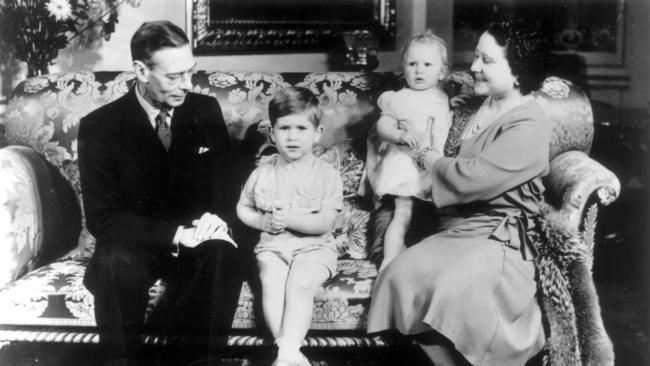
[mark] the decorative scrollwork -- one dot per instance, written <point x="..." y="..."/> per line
<point x="38" y="336"/>
<point x="313" y="341"/>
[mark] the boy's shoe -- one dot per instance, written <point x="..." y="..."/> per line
<point x="279" y="362"/>
<point x="303" y="361"/>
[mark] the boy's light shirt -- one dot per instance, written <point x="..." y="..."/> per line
<point x="305" y="186"/>
<point x="286" y="175"/>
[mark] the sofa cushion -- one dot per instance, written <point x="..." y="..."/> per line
<point x="54" y="295"/>
<point x="51" y="295"/>
<point x="341" y="304"/>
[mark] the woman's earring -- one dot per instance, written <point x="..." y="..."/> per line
<point x="516" y="83"/>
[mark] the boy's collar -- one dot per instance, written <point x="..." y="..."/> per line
<point x="302" y="165"/>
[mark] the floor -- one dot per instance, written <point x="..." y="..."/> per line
<point x="622" y="261"/>
<point x="622" y="276"/>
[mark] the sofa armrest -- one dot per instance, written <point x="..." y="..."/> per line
<point x="573" y="178"/>
<point x="39" y="215"/>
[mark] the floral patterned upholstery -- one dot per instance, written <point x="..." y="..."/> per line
<point x="43" y="114"/>
<point x="340" y="305"/>
<point x="54" y="295"/>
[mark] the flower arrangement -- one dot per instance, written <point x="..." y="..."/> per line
<point x="35" y="30"/>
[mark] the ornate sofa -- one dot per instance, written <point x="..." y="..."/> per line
<point x="45" y="246"/>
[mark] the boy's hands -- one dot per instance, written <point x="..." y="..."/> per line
<point x="279" y="218"/>
<point x="266" y="223"/>
<point x="275" y="222"/>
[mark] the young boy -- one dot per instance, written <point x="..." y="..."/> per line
<point x="293" y="199"/>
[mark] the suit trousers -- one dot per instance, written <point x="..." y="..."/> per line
<point x="203" y="289"/>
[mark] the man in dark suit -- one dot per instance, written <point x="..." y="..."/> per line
<point x="155" y="174"/>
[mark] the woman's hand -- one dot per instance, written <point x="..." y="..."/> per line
<point x="422" y="139"/>
<point x="409" y="138"/>
<point x="458" y="100"/>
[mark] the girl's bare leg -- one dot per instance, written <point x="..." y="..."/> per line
<point x="396" y="231"/>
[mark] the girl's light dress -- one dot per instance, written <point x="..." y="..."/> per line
<point x="390" y="169"/>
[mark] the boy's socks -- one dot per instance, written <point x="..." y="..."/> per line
<point x="288" y="349"/>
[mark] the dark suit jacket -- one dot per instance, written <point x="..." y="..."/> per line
<point x="134" y="190"/>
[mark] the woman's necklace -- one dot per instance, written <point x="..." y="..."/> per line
<point x="485" y="117"/>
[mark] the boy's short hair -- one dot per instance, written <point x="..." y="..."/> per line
<point x="294" y="100"/>
<point x="430" y="38"/>
<point x="154" y="36"/>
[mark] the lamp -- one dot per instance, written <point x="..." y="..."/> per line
<point x="361" y="48"/>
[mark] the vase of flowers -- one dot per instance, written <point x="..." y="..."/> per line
<point x="35" y="30"/>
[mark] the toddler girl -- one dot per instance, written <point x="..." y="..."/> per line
<point x="412" y="118"/>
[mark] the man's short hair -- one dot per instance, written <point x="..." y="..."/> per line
<point x="294" y="100"/>
<point x="154" y="36"/>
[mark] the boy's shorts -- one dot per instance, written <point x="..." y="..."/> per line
<point x="292" y="253"/>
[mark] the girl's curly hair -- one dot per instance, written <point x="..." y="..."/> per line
<point x="526" y="49"/>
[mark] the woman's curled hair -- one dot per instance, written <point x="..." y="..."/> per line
<point x="526" y="49"/>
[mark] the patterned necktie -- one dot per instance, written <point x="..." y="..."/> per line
<point x="163" y="131"/>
